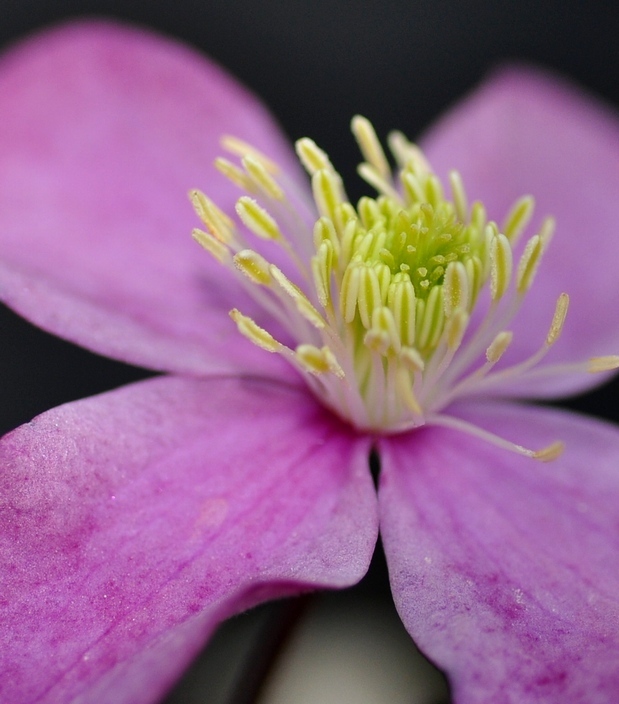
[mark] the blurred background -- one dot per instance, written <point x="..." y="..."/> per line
<point x="400" y="63"/>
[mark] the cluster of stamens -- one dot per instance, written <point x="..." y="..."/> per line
<point x="379" y="299"/>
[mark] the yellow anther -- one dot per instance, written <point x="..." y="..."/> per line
<point x="218" y="249"/>
<point x="218" y="223"/>
<point x="429" y="319"/>
<point x="498" y="346"/>
<point x="257" y="219"/>
<point x="327" y="192"/>
<point x="370" y="146"/>
<point x="369" y="296"/>
<point x="325" y="230"/>
<point x="459" y="195"/>
<point x="322" y="269"/>
<point x="547" y="231"/>
<point x="411" y="359"/>
<point x="455" y="289"/>
<point x="558" y="319"/>
<point x="550" y="453"/>
<point x="500" y="266"/>
<point x="384" y="326"/>
<point x="254" y="266"/>
<point x="349" y="292"/>
<point x="478" y="216"/>
<point x="407" y="154"/>
<point x="311" y="156"/>
<point x="240" y="148"/>
<point x="413" y="188"/>
<point x="518" y="218"/>
<point x="300" y="300"/>
<point x="262" y="178"/>
<point x="603" y="364"/>
<point x="318" y="360"/>
<point x="433" y="190"/>
<point x="371" y="176"/>
<point x="401" y="300"/>
<point x="406" y="393"/>
<point x="233" y="173"/>
<point x="253" y="332"/>
<point x="529" y="261"/>
<point x="455" y="327"/>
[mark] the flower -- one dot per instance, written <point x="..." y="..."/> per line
<point x="135" y="521"/>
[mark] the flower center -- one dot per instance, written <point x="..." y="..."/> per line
<point x="384" y="300"/>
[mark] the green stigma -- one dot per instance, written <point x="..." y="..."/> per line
<point x="380" y="297"/>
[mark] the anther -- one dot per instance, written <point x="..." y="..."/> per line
<point x="459" y="196"/>
<point x="311" y="156"/>
<point x="239" y="148"/>
<point x="257" y="219"/>
<point x="217" y="248"/>
<point x="518" y="218"/>
<point x="253" y="332"/>
<point x="237" y="176"/>
<point x="262" y="178"/>
<point x="254" y="266"/>
<point x="603" y="364"/>
<point x="558" y="319"/>
<point x="318" y="360"/>
<point x="500" y="266"/>
<point x="370" y="146"/>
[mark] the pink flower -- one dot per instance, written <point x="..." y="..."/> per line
<point x="132" y="523"/>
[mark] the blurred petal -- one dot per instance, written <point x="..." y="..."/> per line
<point x="504" y="570"/>
<point x="104" y="131"/>
<point x="133" y="522"/>
<point x="526" y="132"/>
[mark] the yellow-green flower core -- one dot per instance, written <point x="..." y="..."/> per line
<point x="379" y="298"/>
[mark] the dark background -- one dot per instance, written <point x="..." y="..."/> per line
<point x="399" y="62"/>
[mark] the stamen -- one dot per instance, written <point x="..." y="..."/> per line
<point x="518" y="218"/>
<point x="318" y="361"/>
<point x="212" y="245"/>
<point x="370" y="146"/>
<point x="498" y="346"/>
<point x="459" y="196"/>
<point x="312" y="157"/>
<point x="233" y="173"/>
<point x="253" y="332"/>
<point x="254" y="266"/>
<point x="384" y="293"/>
<point x="305" y="308"/>
<point x="257" y="219"/>
<point x="500" y="267"/>
<point x="558" y="319"/>
<point x="260" y="176"/>
<point x="217" y="222"/>
<point x="546" y="454"/>
<point x="528" y="264"/>
<point x="603" y="364"/>
<point x="242" y="149"/>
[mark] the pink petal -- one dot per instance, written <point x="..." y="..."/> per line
<point x="505" y="570"/>
<point x="526" y="132"/>
<point x="133" y="522"/>
<point x="104" y="131"/>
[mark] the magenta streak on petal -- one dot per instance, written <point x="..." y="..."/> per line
<point x="104" y="131"/>
<point x="504" y="570"/>
<point x="133" y="522"/>
<point x="525" y="132"/>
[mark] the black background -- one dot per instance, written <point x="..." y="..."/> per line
<point x="399" y="62"/>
